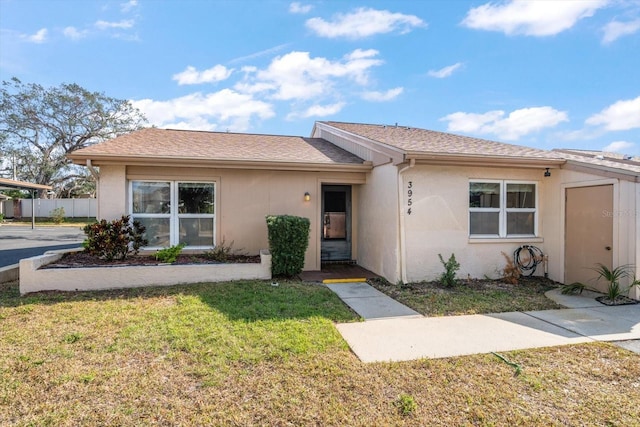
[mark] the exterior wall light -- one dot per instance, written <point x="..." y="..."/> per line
<point x="547" y="173"/>
<point x="307" y="196"/>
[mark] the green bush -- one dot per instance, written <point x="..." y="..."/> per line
<point x="57" y="215"/>
<point x="451" y="267"/>
<point x="170" y="254"/>
<point x="220" y="252"/>
<point x="114" y="240"/>
<point x="288" y="241"/>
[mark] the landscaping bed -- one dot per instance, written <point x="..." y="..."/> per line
<point x="474" y="296"/>
<point x="84" y="259"/>
<point x="135" y="271"/>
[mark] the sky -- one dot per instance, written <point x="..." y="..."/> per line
<point x="547" y="74"/>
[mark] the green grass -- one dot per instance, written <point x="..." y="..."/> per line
<point x="247" y="353"/>
<point x="471" y="297"/>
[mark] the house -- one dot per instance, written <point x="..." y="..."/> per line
<point x="390" y="198"/>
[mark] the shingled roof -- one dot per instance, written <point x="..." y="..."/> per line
<point x="422" y="141"/>
<point x="602" y="159"/>
<point x="183" y="145"/>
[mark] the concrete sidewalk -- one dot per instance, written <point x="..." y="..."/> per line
<point x="405" y="336"/>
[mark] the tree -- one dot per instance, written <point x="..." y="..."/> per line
<point x="40" y="126"/>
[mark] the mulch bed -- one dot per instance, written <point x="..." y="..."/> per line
<point x="84" y="259"/>
<point x="620" y="300"/>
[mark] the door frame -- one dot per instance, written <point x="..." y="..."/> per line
<point x="563" y="214"/>
<point x="348" y="188"/>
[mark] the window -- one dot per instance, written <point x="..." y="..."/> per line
<point x="502" y="209"/>
<point x="175" y="212"/>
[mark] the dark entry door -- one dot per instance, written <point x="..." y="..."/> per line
<point x="336" y="223"/>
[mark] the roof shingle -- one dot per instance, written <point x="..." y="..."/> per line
<point x="222" y="146"/>
<point x="415" y="140"/>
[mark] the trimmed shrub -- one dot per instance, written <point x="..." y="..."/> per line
<point x="170" y="254"/>
<point x="288" y="241"/>
<point x="114" y="240"/>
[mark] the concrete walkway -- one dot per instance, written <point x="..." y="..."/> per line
<point x="394" y="332"/>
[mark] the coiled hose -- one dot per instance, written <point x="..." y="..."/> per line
<point x="527" y="258"/>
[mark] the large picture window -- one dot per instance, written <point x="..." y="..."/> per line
<point x="502" y="208"/>
<point x="175" y="212"/>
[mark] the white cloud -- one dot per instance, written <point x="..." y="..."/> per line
<point x="363" y="23"/>
<point x="517" y="124"/>
<point x="226" y="107"/>
<point x="127" y="6"/>
<point x="191" y="76"/>
<point x="615" y="29"/>
<point x="297" y="76"/>
<point x="300" y="8"/>
<point x="621" y="115"/>
<point x="318" y="111"/>
<point x="388" y="95"/>
<point x="531" y="17"/>
<point x="123" y="25"/>
<point x="619" y="147"/>
<point x="73" y="33"/>
<point x="39" y="37"/>
<point x="444" y="72"/>
<point x="471" y="122"/>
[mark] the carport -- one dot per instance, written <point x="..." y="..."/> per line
<point x="10" y="184"/>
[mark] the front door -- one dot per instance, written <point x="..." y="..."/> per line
<point x="336" y="223"/>
<point x="588" y="232"/>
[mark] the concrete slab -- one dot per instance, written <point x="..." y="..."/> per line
<point x="396" y="332"/>
<point x="600" y="323"/>
<point x="583" y="300"/>
<point x="436" y="337"/>
<point x="370" y="303"/>
<point x="354" y="290"/>
<point x="632" y="345"/>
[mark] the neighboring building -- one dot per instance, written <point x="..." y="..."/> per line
<point x="389" y="197"/>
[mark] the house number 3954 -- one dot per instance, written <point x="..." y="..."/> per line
<point x="409" y="196"/>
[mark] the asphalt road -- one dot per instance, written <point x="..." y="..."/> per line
<point x="17" y="242"/>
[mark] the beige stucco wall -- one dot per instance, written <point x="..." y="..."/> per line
<point x="439" y="221"/>
<point x="111" y="192"/>
<point x="377" y="218"/>
<point x="243" y="199"/>
<point x="626" y="232"/>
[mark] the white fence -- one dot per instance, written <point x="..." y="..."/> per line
<point x="73" y="208"/>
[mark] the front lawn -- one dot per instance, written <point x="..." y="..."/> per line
<point x="471" y="296"/>
<point x="248" y="353"/>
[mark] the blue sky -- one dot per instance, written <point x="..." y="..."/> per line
<point x="548" y="74"/>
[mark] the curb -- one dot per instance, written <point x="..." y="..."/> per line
<point x="9" y="273"/>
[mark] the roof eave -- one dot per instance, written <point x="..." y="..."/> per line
<point x="105" y="160"/>
<point x="450" y="159"/>
<point x="10" y="183"/>
<point x="607" y="171"/>
<point x="394" y="154"/>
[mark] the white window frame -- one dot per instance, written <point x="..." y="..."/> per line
<point x="174" y="215"/>
<point x="503" y="211"/>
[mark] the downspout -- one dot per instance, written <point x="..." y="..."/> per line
<point x="96" y="176"/>
<point x="403" y="246"/>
